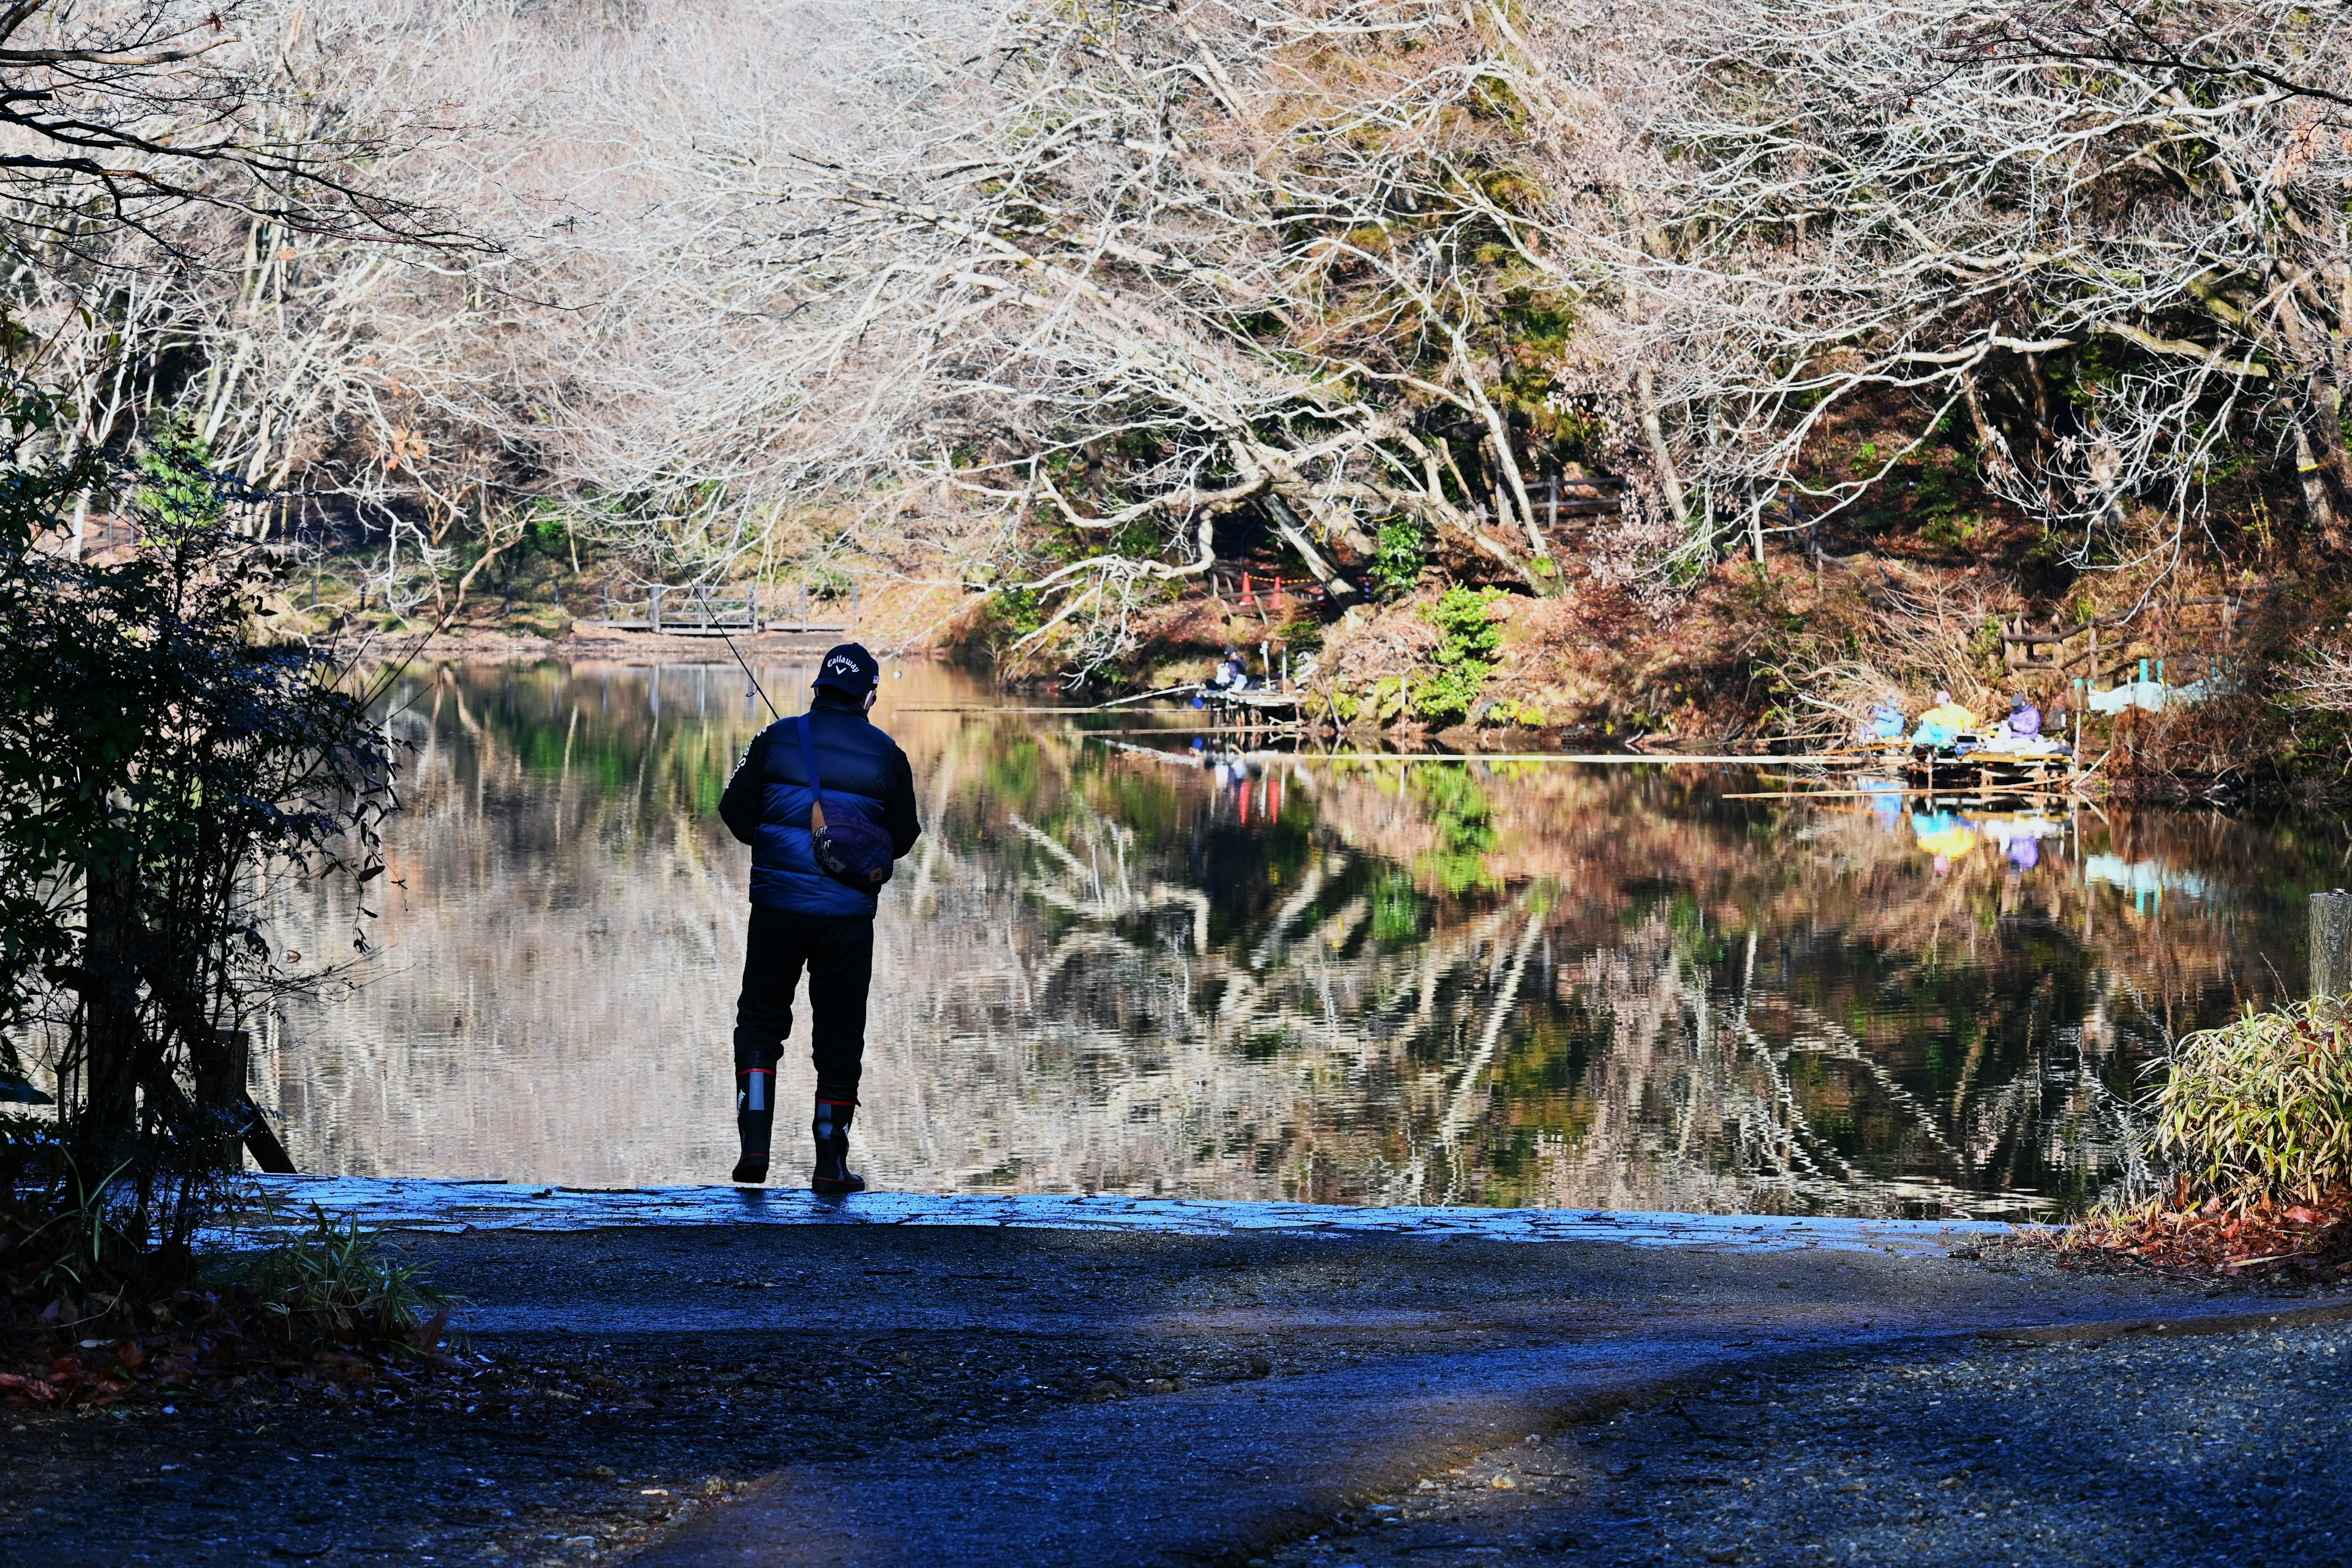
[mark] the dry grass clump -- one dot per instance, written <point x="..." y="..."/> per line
<point x="1829" y="703"/>
<point x="2254" y="1120"/>
<point x="1868" y="630"/>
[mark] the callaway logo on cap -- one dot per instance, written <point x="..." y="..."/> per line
<point x="849" y="668"/>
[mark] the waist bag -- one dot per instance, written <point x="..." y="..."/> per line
<point x="853" y="850"/>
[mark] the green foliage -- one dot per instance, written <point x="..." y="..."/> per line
<point x="1015" y="613"/>
<point x="1578" y="426"/>
<point x="548" y="532"/>
<point x="1401" y="546"/>
<point x="36" y="485"/>
<point x="179" y="500"/>
<point x="1467" y="638"/>
<point x="1448" y="695"/>
<point x="1508" y="712"/>
<point x="73" y="1236"/>
<point x="1462" y="617"/>
<point x="2262" y="1108"/>
<point x="1952" y="532"/>
<point x="828" y="582"/>
<point x="333" y="1282"/>
<point x="1397" y="909"/>
<point x="156" y="757"/>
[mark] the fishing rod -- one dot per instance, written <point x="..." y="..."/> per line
<point x="747" y="670"/>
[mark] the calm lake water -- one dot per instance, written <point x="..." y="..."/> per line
<point x="1115" y="970"/>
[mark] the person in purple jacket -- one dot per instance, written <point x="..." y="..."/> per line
<point x="2024" y="718"/>
<point x="804" y="916"/>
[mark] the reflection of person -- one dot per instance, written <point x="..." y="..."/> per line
<point x="1885" y="798"/>
<point x="1945" y="834"/>
<point x="803" y="915"/>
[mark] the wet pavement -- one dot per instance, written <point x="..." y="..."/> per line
<point x="921" y="1394"/>
<point x="284" y="1203"/>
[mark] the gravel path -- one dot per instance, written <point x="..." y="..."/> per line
<point x="2223" y="1448"/>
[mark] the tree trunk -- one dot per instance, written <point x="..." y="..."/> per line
<point x="1991" y="442"/>
<point x="2316" y="506"/>
<point x="2039" y="385"/>
<point x="1285" y="523"/>
<point x="1670" y="478"/>
<point x="106" y="1125"/>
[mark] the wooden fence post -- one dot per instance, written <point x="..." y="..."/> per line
<point x="217" y="1069"/>
<point x="2331" y="943"/>
<point x="653" y="608"/>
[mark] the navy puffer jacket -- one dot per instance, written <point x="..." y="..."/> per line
<point x="864" y="773"/>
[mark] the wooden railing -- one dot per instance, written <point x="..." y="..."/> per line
<point x="1578" y="496"/>
<point x="2108" y="650"/>
<point x="703" y="609"/>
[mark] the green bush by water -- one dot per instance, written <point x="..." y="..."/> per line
<point x="2260" y="1108"/>
<point x="1467" y="639"/>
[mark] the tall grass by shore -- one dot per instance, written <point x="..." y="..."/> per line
<point x="2259" y="1110"/>
<point x="2250" y="1137"/>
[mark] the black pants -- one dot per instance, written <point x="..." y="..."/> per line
<point x="838" y="953"/>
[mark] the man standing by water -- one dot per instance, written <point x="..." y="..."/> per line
<point x="827" y="802"/>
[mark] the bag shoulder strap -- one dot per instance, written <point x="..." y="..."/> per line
<point x="808" y="767"/>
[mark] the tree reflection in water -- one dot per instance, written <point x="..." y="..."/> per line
<point x="1116" y="972"/>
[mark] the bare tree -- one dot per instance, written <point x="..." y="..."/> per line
<point x="1337" y="261"/>
<point x="1026" y="301"/>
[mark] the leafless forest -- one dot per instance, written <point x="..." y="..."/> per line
<point x="1021" y="302"/>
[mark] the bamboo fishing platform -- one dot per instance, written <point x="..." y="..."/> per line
<point x="1255" y="712"/>
<point x="1984" y="776"/>
<point x="1982" y="769"/>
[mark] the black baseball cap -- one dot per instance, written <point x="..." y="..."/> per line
<point x="849" y="668"/>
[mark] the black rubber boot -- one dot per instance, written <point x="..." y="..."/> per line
<point x="832" y="1174"/>
<point x="755" y="1109"/>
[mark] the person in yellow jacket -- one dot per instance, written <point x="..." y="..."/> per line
<point x="1944" y="723"/>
